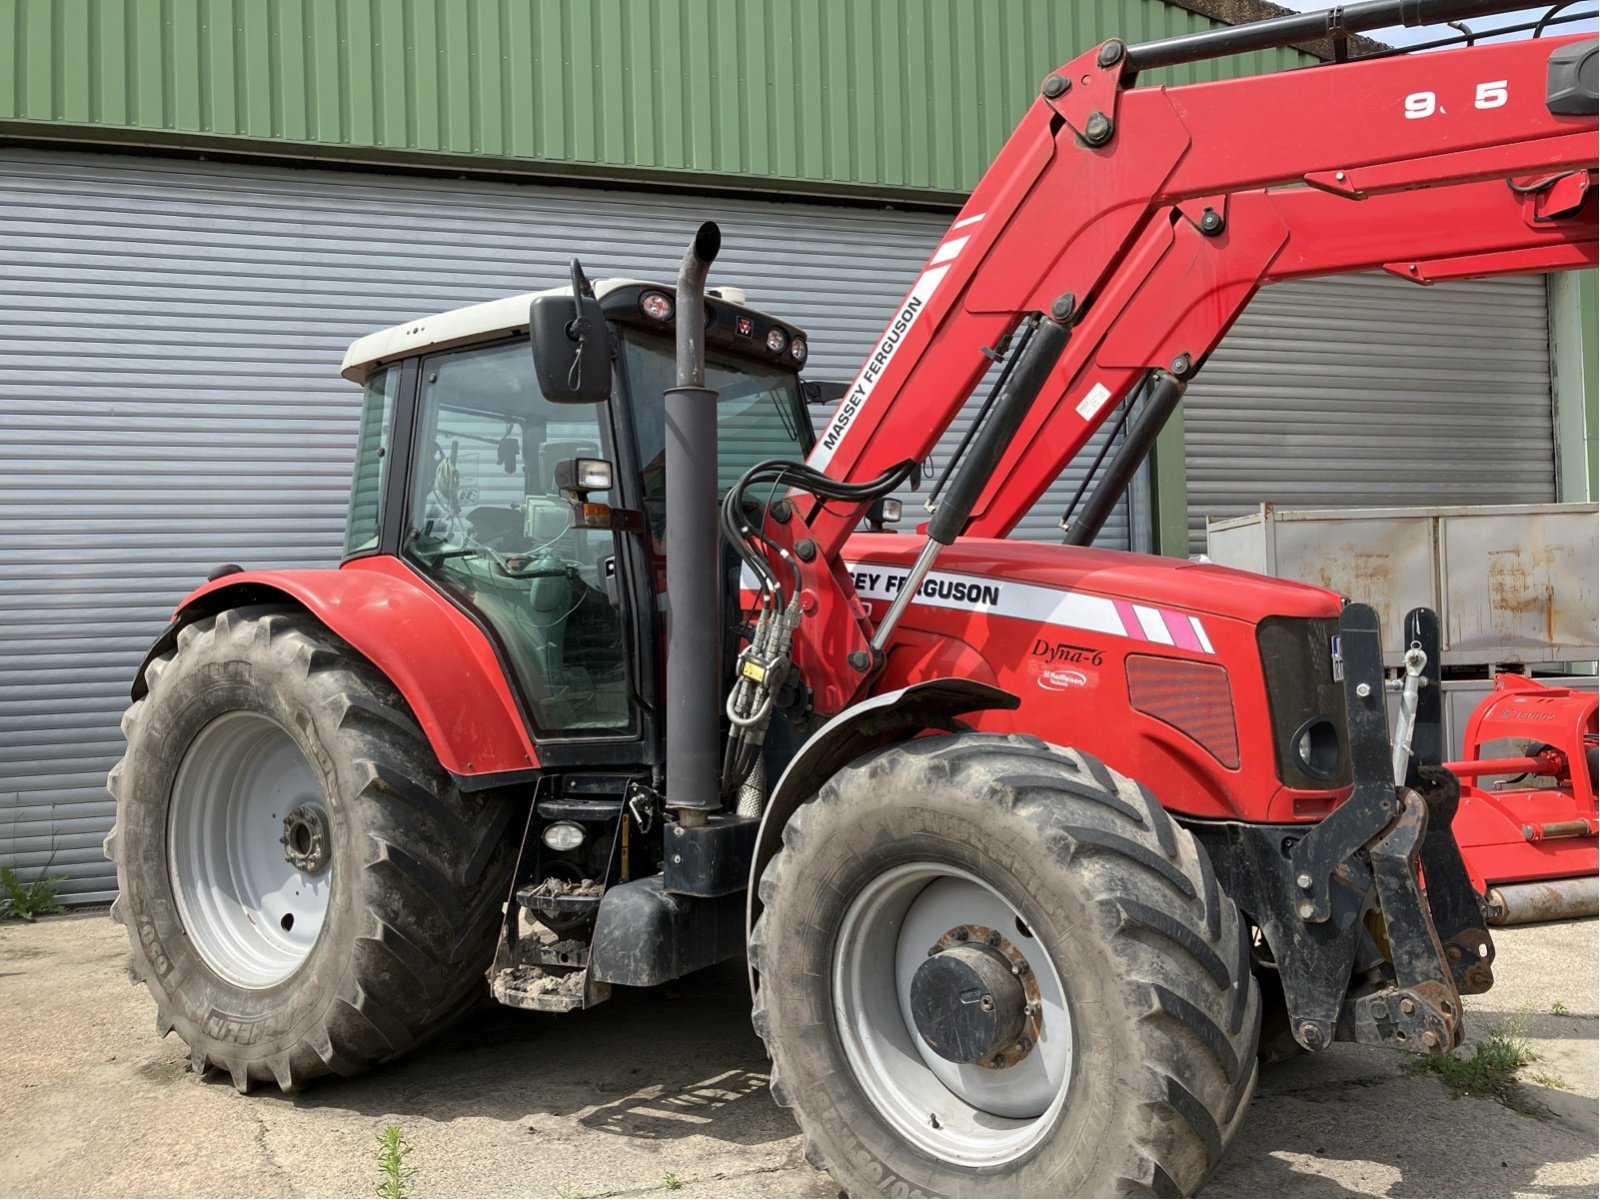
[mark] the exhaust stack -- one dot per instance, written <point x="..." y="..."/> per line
<point x="693" y="586"/>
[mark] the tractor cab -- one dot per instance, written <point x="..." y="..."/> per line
<point x="513" y="504"/>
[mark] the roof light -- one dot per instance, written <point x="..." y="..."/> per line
<point x="797" y="350"/>
<point x="657" y="305"/>
<point x="777" y="340"/>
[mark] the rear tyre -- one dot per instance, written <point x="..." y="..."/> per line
<point x="305" y="889"/>
<point x="898" y="890"/>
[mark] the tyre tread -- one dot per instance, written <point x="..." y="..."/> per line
<point x="1163" y="906"/>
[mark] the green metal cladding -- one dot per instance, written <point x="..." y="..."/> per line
<point x="898" y="98"/>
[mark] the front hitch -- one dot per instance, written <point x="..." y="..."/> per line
<point x="1372" y="922"/>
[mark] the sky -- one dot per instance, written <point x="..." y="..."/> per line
<point x="1399" y="35"/>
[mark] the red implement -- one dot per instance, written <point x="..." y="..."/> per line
<point x="1528" y="819"/>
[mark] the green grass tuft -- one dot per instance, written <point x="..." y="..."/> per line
<point x="25" y="901"/>
<point x="1490" y="1070"/>
<point x="394" y="1176"/>
<point x="672" y="1183"/>
<point x="1559" y="1009"/>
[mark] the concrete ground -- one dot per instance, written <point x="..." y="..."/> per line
<point x="669" y="1087"/>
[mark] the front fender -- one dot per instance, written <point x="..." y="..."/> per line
<point x="442" y="663"/>
<point x="860" y="729"/>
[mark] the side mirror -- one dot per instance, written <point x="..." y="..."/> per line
<point x="571" y="348"/>
<point x="815" y="391"/>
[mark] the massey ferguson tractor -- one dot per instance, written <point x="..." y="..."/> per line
<point x="1033" y="849"/>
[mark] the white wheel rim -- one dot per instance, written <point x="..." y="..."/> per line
<point x="252" y="914"/>
<point x="970" y="1115"/>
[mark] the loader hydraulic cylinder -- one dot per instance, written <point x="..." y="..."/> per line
<point x="1159" y="405"/>
<point x="1308" y="27"/>
<point x="693" y="592"/>
<point x="1019" y="388"/>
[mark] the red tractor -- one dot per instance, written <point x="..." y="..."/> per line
<point x="1031" y="847"/>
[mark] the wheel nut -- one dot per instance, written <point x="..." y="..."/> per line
<point x="1431" y="1041"/>
<point x="1303" y="882"/>
<point x="1408" y="1007"/>
<point x="1305" y="908"/>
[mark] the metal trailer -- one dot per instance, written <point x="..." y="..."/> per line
<point x="1515" y="588"/>
<point x="1513" y="584"/>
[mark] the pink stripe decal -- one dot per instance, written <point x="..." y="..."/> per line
<point x="1130" y="621"/>
<point x="1182" y="633"/>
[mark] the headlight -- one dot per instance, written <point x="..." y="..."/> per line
<point x="563" y="836"/>
<point x="797" y="349"/>
<point x="657" y="305"/>
<point x="777" y="339"/>
<point x="1316" y="747"/>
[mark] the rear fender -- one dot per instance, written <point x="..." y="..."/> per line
<point x="933" y="704"/>
<point x="442" y="663"/>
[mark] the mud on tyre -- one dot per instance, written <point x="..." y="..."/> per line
<point x="950" y="854"/>
<point x="305" y="889"/>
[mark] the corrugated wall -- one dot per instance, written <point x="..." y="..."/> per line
<point x="893" y="97"/>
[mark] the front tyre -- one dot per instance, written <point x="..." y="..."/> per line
<point x="988" y="966"/>
<point x="305" y="889"/>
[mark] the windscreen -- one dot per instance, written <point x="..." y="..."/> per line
<point x="757" y="414"/>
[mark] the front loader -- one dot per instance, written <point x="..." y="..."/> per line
<point x="1032" y="848"/>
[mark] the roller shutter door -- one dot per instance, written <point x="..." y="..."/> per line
<point x="1368" y="391"/>
<point x="170" y="338"/>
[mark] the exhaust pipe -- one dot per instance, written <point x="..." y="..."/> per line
<point x="693" y="711"/>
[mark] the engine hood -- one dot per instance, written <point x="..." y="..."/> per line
<point x="1113" y="574"/>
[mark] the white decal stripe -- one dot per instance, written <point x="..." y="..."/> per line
<point x="1023" y="601"/>
<point x="1200" y="632"/>
<point x="948" y="251"/>
<point x="965" y="221"/>
<point x="1154" y="627"/>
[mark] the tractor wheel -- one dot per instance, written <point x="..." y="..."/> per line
<point x="990" y="967"/>
<point x="305" y="889"/>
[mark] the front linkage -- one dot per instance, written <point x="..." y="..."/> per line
<point x="1368" y="947"/>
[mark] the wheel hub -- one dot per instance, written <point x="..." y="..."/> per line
<point x="305" y="839"/>
<point x="252" y="904"/>
<point x="917" y="941"/>
<point x="967" y="1005"/>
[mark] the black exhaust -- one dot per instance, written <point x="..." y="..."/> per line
<point x="693" y="708"/>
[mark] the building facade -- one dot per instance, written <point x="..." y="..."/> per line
<point x="202" y="202"/>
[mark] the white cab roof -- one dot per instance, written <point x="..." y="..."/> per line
<point x="459" y="326"/>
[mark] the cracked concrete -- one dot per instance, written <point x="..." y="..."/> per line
<point x="672" y="1083"/>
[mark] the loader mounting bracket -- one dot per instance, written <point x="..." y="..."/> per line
<point x="1312" y="890"/>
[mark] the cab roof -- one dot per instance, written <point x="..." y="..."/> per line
<point x="458" y="327"/>
<point x="731" y="325"/>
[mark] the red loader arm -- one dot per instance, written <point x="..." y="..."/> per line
<point x="1101" y="195"/>
<point x="1182" y="289"/>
